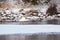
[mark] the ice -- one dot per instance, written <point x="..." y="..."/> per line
<point x="26" y="29"/>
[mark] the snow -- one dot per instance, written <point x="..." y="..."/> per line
<point x="58" y="15"/>
<point x="23" y="19"/>
<point x="15" y="10"/>
<point x="8" y="11"/>
<point x="58" y="8"/>
<point x="27" y="9"/>
<point x="44" y="8"/>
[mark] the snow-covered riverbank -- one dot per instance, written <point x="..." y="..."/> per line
<point x="26" y="12"/>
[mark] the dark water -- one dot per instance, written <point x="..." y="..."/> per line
<point x="52" y="21"/>
<point x="31" y="37"/>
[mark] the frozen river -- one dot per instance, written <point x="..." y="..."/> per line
<point x="28" y="29"/>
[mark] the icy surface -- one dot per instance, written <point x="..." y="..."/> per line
<point x="24" y="29"/>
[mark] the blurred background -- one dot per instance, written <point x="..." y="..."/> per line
<point x="29" y="11"/>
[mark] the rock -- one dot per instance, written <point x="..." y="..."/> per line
<point x="20" y="10"/>
<point x="34" y="14"/>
